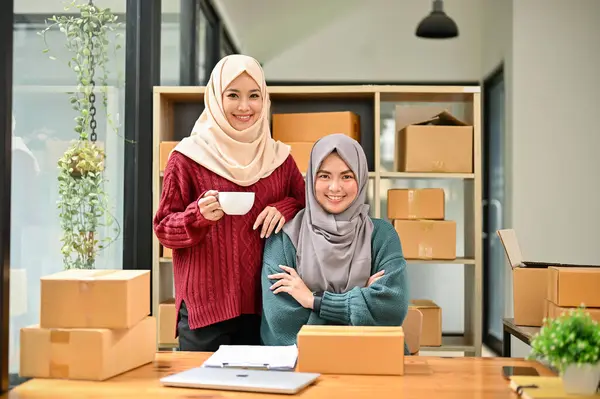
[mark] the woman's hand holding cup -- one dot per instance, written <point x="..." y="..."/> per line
<point x="210" y="207"/>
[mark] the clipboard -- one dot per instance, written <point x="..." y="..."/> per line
<point x="528" y="387"/>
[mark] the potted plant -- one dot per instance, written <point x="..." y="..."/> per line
<point x="83" y="202"/>
<point x="571" y="344"/>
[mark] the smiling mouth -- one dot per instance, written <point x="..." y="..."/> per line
<point x="335" y="198"/>
<point x="243" y="118"/>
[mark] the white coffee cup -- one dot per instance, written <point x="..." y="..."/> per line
<point x="236" y="203"/>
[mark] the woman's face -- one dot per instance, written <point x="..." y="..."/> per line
<point x="242" y="102"/>
<point x="335" y="185"/>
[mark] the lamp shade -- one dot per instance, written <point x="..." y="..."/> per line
<point x="437" y="25"/>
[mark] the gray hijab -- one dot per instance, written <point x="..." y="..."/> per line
<point x="333" y="252"/>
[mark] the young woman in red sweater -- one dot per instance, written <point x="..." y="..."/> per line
<point x="217" y="258"/>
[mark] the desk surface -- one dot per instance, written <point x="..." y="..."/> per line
<point x="426" y="377"/>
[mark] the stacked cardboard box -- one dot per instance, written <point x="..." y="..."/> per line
<point x="94" y="324"/>
<point x="570" y="287"/>
<point x="301" y="130"/>
<point x="418" y="217"/>
<point x="547" y="289"/>
<point x="431" y="139"/>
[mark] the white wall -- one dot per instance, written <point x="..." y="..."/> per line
<point x="376" y="42"/>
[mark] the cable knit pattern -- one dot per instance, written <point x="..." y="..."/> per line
<point x="384" y="303"/>
<point x="216" y="265"/>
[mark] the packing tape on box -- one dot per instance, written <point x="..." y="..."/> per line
<point x="57" y="369"/>
<point x="413" y="204"/>
<point x="60" y="337"/>
<point x="425" y="251"/>
<point x="438" y="166"/>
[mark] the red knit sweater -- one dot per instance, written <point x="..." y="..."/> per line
<point x="217" y="265"/>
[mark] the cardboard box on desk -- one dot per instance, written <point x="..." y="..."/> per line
<point x="553" y="311"/>
<point x="94" y="298"/>
<point x="530" y="285"/>
<point x="416" y="203"/>
<point x="351" y="350"/>
<point x="431" y="139"/>
<point x="86" y="354"/>
<point x="311" y="126"/>
<point x="573" y="286"/>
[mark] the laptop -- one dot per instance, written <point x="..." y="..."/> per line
<point x="236" y="379"/>
<point x="508" y="237"/>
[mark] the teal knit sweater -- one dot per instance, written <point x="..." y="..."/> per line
<point x="384" y="303"/>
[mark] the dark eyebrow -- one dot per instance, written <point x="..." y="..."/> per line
<point x="323" y="171"/>
<point x="237" y="91"/>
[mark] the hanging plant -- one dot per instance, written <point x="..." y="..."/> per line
<point x="83" y="202"/>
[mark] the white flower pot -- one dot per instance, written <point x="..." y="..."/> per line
<point x="581" y="380"/>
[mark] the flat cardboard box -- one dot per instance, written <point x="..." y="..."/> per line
<point x="301" y="153"/>
<point x="530" y="285"/>
<point x="94" y="298"/>
<point x="416" y="203"/>
<point x="574" y="286"/>
<point x="427" y="239"/>
<point x="431" y="139"/>
<point x="351" y="350"/>
<point x="431" y="331"/>
<point x="164" y="152"/>
<point x="86" y="354"/>
<point x="554" y="311"/>
<point x="311" y="126"/>
<point x="167" y="323"/>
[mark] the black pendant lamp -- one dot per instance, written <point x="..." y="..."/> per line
<point x="437" y="25"/>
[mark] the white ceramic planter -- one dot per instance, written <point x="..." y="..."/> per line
<point x="581" y="380"/>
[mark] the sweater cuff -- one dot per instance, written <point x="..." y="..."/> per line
<point x="334" y="307"/>
<point x="288" y="207"/>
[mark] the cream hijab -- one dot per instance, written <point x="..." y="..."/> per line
<point x="333" y="252"/>
<point x="242" y="157"/>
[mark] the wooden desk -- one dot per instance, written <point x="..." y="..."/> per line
<point x="524" y="334"/>
<point x="426" y="377"/>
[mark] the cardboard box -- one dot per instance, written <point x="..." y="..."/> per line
<point x="167" y="252"/>
<point x="311" y="126"/>
<point x="431" y="331"/>
<point x="164" y="152"/>
<point x="573" y="286"/>
<point x="351" y="350"/>
<point x="427" y="239"/>
<point x="416" y="203"/>
<point x="86" y="354"/>
<point x="554" y="311"/>
<point x="167" y="323"/>
<point x="530" y="284"/>
<point x="430" y="139"/>
<point x="95" y="298"/>
<point x="301" y="154"/>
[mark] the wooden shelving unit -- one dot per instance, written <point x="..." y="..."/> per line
<point x="177" y="108"/>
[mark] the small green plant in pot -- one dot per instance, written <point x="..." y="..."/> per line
<point x="571" y="344"/>
<point x="83" y="202"/>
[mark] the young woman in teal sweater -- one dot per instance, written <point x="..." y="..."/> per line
<point x="332" y="263"/>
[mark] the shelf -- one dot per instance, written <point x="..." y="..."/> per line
<point x="457" y="261"/>
<point x="177" y="107"/>
<point x="451" y="344"/>
<point x="414" y="175"/>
